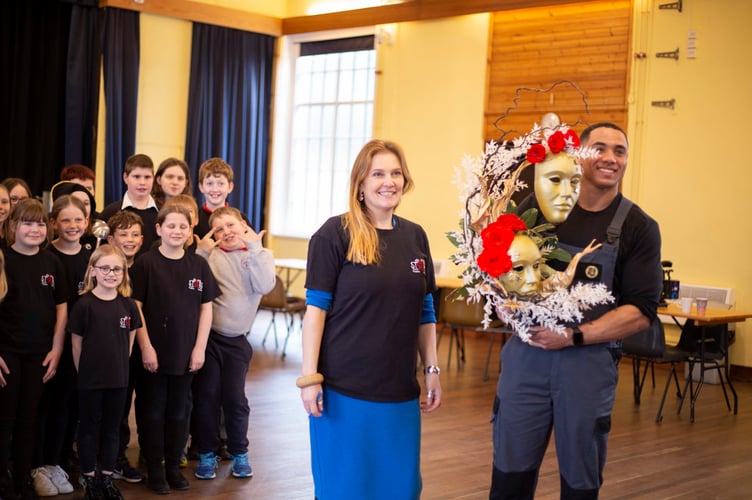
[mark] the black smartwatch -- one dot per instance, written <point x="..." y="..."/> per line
<point x="577" y="337"/>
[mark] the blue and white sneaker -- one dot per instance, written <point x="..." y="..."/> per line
<point x="240" y="466"/>
<point x="207" y="466"/>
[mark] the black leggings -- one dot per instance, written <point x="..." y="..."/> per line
<point x="164" y="423"/>
<point x="19" y="406"/>
<point x="99" y="427"/>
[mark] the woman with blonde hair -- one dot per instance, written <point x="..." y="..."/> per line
<point x="370" y="312"/>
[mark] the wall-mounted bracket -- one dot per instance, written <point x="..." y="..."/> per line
<point x="668" y="55"/>
<point x="664" y="104"/>
<point x="672" y="5"/>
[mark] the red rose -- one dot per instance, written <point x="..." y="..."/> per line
<point x="495" y="261"/>
<point x="556" y="142"/>
<point x="497" y="238"/>
<point x="572" y="137"/>
<point x="536" y="153"/>
<point x="496" y="235"/>
<point x="511" y="222"/>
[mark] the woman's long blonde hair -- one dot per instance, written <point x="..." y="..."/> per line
<point x="364" y="240"/>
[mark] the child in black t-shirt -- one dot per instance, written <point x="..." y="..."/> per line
<point x="32" y="329"/>
<point x="126" y="231"/>
<point x="103" y="325"/>
<point x="174" y="289"/>
<point x="59" y="409"/>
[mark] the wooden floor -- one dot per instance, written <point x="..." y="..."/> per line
<point x="710" y="458"/>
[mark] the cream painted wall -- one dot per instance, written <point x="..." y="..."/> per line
<point x="431" y="98"/>
<point x="693" y="176"/>
<point x="163" y="87"/>
<point x="273" y="8"/>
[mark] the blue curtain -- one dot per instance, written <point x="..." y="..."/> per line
<point x="82" y="84"/>
<point x="229" y="110"/>
<point x="120" y="47"/>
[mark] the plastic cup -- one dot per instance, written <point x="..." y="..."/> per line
<point x="702" y="304"/>
<point x="686" y="305"/>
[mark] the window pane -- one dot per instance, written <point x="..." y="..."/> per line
<point x="332" y="118"/>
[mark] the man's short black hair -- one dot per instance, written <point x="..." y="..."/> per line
<point x="585" y="135"/>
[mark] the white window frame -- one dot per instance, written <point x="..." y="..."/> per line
<point x="296" y="212"/>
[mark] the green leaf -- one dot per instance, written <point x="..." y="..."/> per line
<point x="529" y="217"/>
<point x="457" y="294"/>
<point x="542" y="228"/>
<point x="559" y="254"/>
<point x="451" y="236"/>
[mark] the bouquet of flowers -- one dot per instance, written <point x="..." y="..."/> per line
<point x="504" y="253"/>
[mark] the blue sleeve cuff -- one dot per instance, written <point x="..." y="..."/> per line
<point x="319" y="298"/>
<point x="429" y="314"/>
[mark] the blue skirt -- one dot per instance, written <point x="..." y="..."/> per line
<point x="365" y="450"/>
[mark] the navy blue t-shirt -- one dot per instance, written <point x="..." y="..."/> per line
<point x="370" y="345"/>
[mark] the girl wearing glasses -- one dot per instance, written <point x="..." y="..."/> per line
<point x="103" y="325"/>
<point x="32" y="329"/>
<point x="17" y="188"/>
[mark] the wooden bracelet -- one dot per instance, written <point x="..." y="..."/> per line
<point x="309" y="380"/>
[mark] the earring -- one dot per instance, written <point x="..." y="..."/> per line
<point x="362" y="196"/>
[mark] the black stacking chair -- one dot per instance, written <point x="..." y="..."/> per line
<point x="648" y="347"/>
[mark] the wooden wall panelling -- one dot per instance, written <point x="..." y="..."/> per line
<point x="587" y="43"/>
<point x="408" y="10"/>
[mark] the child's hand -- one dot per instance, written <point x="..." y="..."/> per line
<point x="249" y="235"/>
<point x="149" y="358"/>
<point x="197" y="360"/>
<point x="207" y="243"/>
<point x="51" y="361"/>
<point x="3" y="371"/>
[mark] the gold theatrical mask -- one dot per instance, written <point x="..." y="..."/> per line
<point x="524" y="279"/>
<point x="557" y="186"/>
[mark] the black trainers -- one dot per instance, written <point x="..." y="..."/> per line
<point x="175" y="479"/>
<point x="155" y="479"/>
<point x="27" y="490"/>
<point x="92" y="488"/>
<point x="222" y="452"/>
<point x="125" y="472"/>
<point x="108" y="489"/>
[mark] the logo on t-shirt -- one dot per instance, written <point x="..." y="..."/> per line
<point x="418" y="266"/>
<point x="80" y="285"/>
<point x="48" y="280"/>
<point x="196" y="284"/>
<point x="125" y="322"/>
